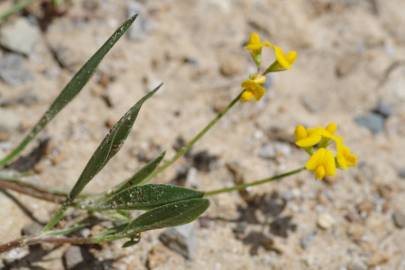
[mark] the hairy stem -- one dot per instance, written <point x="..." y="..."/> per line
<point x="58" y="240"/>
<point x="32" y="191"/>
<point x="15" y="184"/>
<point x="254" y="183"/>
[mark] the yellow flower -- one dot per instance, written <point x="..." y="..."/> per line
<point x="344" y="157"/>
<point x="284" y="61"/>
<point x="322" y="163"/>
<point x="331" y="127"/>
<point x="255" y="46"/>
<point x="253" y="88"/>
<point x="305" y="138"/>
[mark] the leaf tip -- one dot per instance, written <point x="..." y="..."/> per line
<point x="133" y="17"/>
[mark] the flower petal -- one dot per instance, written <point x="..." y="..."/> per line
<point x="254" y="38"/>
<point x="281" y="57"/>
<point x="291" y="56"/>
<point x="309" y="141"/>
<point x="315" y="160"/>
<point x="320" y="172"/>
<point x="331" y="127"/>
<point x="329" y="163"/>
<point x="247" y="96"/>
<point x="300" y="132"/>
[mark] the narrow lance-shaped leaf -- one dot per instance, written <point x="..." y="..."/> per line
<point x="168" y="215"/>
<point x="110" y="145"/>
<point x="71" y="90"/>
<point x="144" y="197"/>
<point x="140" y="175"/>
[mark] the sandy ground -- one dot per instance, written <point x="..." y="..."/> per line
<point x="351" y="57"/>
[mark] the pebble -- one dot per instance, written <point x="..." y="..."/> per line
<point x="180" y="239"/>
<point x="9" y="121"/>
<point x="230" y="67"/>
<point x="372" y="121"/>
<point x="398" y="218"/>
<point x="192" y="178"/>
<point x="383" y="109"/>
<point x="267" y="151"/>
<point x="19" y="36"/>
<point x="306" y="240"/>
<point x="72" y="257"/>
<point x="356" y="265"/>
<point x="31" y="229"/>
<point x="139" y="30"/>
<point x="377" y="259"/>
<point x="401" y="173"/>
<point x="325" y="221"/>
<point x="65" y="56"/>
<point x="346" y="65"/>
<point x="25" y="99"/>
<point x="274" y="150"/>
<point x="13" y="70"/>
<point x="157" y="257"/>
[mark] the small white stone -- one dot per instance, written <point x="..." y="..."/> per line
<point x="19" y="36"/>
<point x="325" y="221"/>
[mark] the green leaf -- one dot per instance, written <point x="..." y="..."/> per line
<point x="145" y="197"/>
<point x="169" y="215"/>
<point x="110" y="145"/>
<point x="70" y="91"/>
<point x="140" y="175"/>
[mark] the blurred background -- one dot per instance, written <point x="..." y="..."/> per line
<point x="350" y="70"/>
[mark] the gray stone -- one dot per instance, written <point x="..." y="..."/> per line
<point x="72" y="257"/>
<point x="267" y="151"/>
<point x="325" y="221"/>
<point x="274" y="150"/>
<point x="401" y="173"/>
<point x="25" y="99"/>
<point x="13" y="71"/>
<point x="192" y="178"/>
<point x="399" y="219"/>
<point x="64" y="56"/>
<point x="9" y="121"/>
<point x="383" y="109"/>
<point x="19" y="36"/>
<point x="307" y="239"/>
<point x="372" y="121"/>
<point x="180" y="239"/>
<point x="31" y="229"/>
<point x="139" y="30"/>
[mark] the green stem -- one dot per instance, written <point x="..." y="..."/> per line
<point x="56" y="217"/>
<point x="254" y="183"/>
<point x="14" y="9"/>
<point x="197" y="137"/>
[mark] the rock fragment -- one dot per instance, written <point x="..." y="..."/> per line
<point x="325" y="221"/>
<point x="180" y="239"/>
<point x="398" y="217"/>
<point x="13" y="70"/>
<point x="72" y="257"/>
<point x="19" y="36"/>
<point x="372" y="121"/>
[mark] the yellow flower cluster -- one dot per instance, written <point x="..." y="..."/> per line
<point x="253" y="87"/>
<point x="323" y="161"/>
